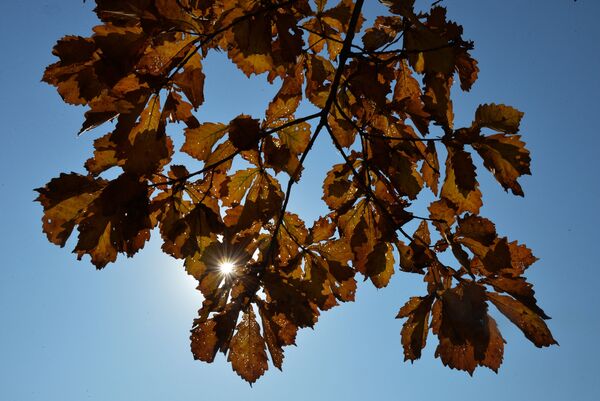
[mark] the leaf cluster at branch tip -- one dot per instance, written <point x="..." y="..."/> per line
<point x="383" y="94"/>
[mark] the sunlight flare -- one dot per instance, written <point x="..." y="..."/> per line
<point x="227" y="267"/>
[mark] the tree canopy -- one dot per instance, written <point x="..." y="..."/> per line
<point x="382" y="91"/>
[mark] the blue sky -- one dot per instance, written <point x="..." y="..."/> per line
<point x="72" y="333"/>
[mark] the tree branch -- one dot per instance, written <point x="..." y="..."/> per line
<point x="343" y="58"/>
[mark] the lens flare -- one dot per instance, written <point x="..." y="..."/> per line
<point x="227" y="267"/>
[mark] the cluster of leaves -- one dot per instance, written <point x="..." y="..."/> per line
<point x="377" y="100"/>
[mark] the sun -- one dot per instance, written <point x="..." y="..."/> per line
<point x="226" y="267"/>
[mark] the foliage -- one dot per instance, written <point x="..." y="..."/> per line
<point x="377" y="100"/>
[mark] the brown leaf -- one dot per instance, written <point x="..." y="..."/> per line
<point x="428" y="51"/>
<point x="476" y="229"/>
<point x="287" y="296"/>
<point x="200" y="141"/>
<point x="437" y="99"/>
<point x="442" y="210"/>
<point x="414" y="331"/>
<point x="292" y="233"/>
<point x="322" y="230"/>
<point x="369" y="233"/>
<point x="244" y="132"/>
<point x="278" y="332"/>
<point x="318" y="72"/>
<point x="234" y="188"/>
<point x="370" y="81"/>
<point x="140" y="147"/>
<point x="286" y="101"/>
<point x="518" y="288"/>
<point x="396" y="163"/>
<point x="498" y="256"/>
<point x="467" y="69"/>
<point x="279" y="157"/>
<point x="204" y="341"/>
<point x="191" y="81"/>
<point x="328" y="26"/>
<point x="187" y="228"/>
<point x="521" y="258"/>
<point x="148" y="148"/>
<point x="430" y="169"/>
<point x="176" y="12"/>
<point x="506" y="157"/>
<point x="408" y="98"/>
<point x="115" y="221"/>
<point x="176" y="109"/>
<point x="213" y="335"/>
<point x="270" y="332"/>
<point x="315" y="283"/>
<point x="65" y="201"/>
<point x="507" y="258"/>
<point x="494" y="354"/>
<point x="333" y="259"/>
<point x="247" y="349"/>
<point x="252" y="52"/>
<point x="417" y="255"/>
<point x="74" y="75"/>
<point x="220" y="159"/>
<point x="338" y="190"/>
<point x="468" y="336"/>
<point x="380" y="265"/>
<point x="530" y="323"/>
<point x="263" y="203"/>
<point x="460" y="185"/>
<point x="342" y="129"/>
<point x="267" y="41"/>
<point x="384" y="31"/>
<point x="498" y="117"/>
<point x="158" y="60"/>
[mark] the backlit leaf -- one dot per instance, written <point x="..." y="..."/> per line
<point x="200" y="141"/>
<point x="468" y="336"/>
<point x="117" y="220"/>
<point x="414" y="330"/>
<point x="247" y="350"/>
<point x="191" y="81"/>
<point x="506" y="157"/>
<point x="498" y="117"/>
<point x="244" y="132"/>
<point x="460" y="186"/>
<point x="65" y="200"/>
<point x="531" y="324"/>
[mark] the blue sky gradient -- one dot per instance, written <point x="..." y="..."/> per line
<point x="70" y="333"/>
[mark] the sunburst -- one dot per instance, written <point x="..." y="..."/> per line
<point x="227" y="267"/>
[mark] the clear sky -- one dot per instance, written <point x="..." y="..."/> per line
<point x="70" y="333"/>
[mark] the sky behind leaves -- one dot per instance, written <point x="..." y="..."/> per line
<point x="72" y="333"/>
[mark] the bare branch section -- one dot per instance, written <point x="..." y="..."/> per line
<point x="263" y="273"/>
